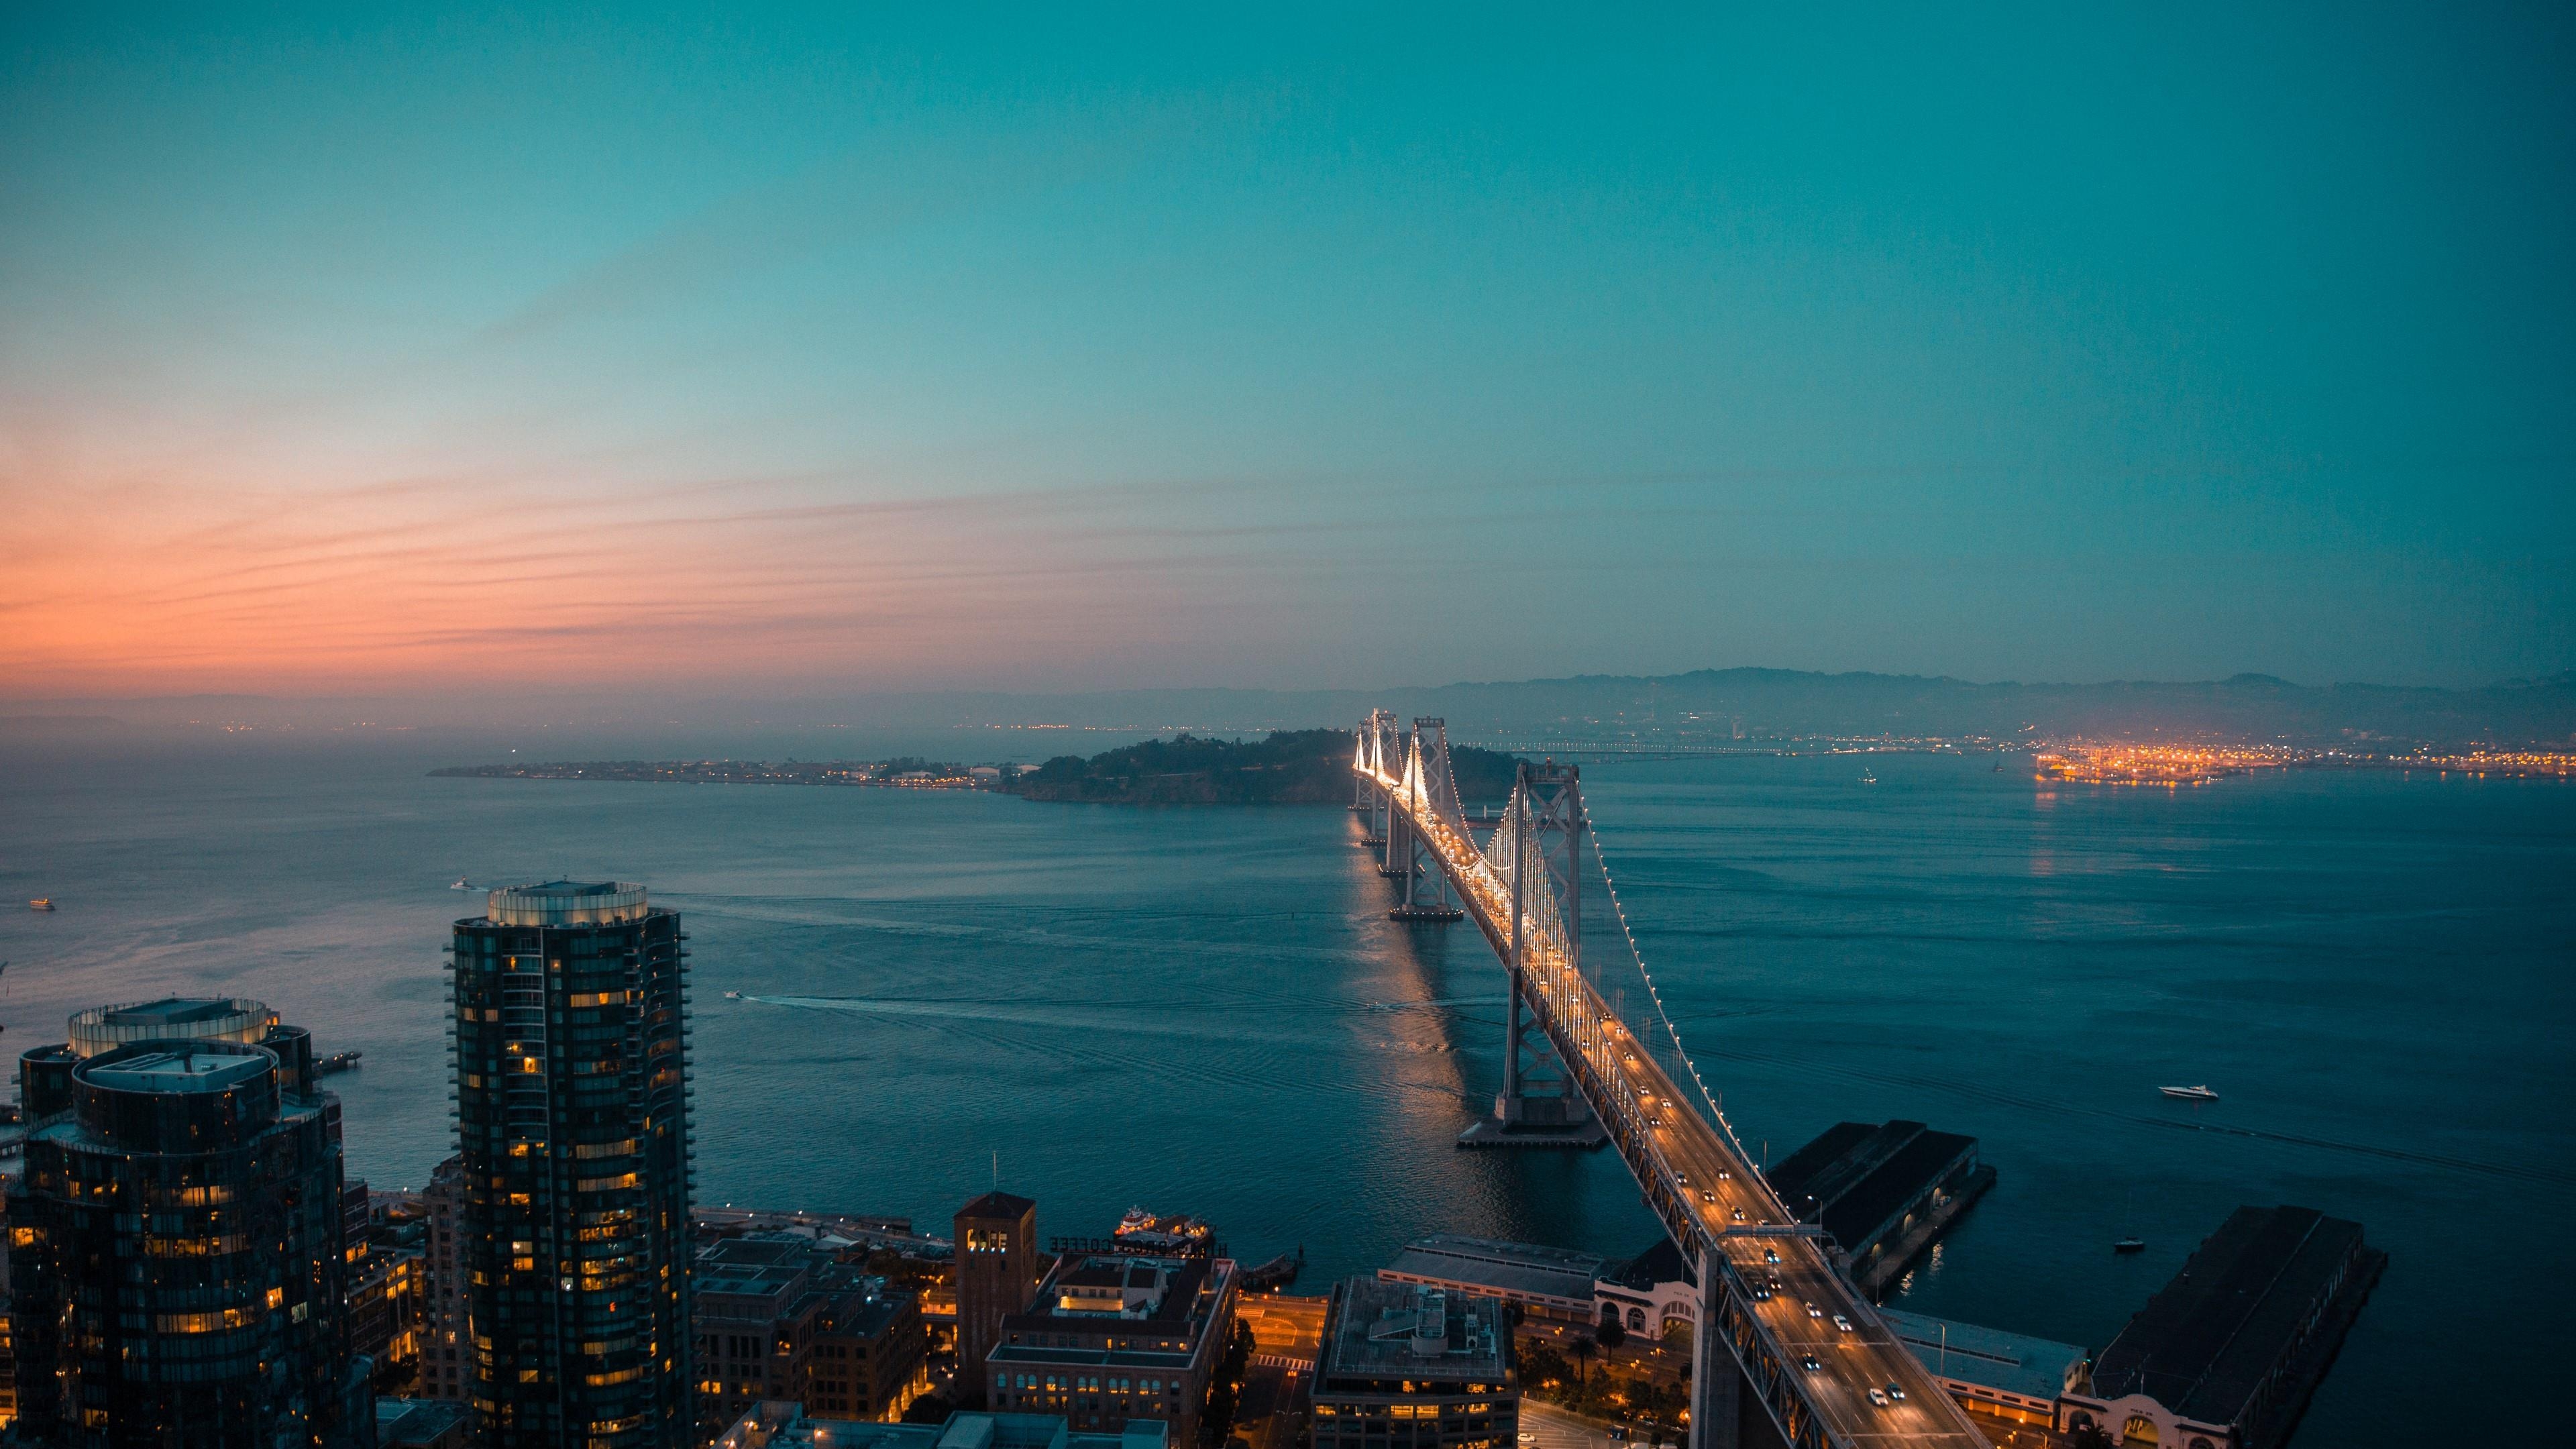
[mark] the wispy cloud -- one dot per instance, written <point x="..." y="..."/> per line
<point x="416" y="580"/>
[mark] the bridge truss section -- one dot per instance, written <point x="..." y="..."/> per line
<point x="1522" y="887"/>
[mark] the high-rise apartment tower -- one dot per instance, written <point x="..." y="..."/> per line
<point x="446" y="1350"/>
<point x="176" y="1238"/>
<point x="573" y="1142"/>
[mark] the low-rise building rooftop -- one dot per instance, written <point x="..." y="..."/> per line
<point x="1554" y="1282"/>
<point x="780" y="1424"/>
<point x="1384" y="1329"/>
<point x="2032" y="1372"/>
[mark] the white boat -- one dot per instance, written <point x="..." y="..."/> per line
<point x="2190" y="1094"/>
<point x="1866" y="777"/>
<point x="462" y="884"/>
<point x="733" y="996"/>
<point x="1145" y="1229"/>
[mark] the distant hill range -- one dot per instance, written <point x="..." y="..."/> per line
<point x="1757" y="704"/>
<point x="1291" y="767"/>
<point x="1705" y="704"/>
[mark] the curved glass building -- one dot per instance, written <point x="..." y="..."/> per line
<point x="571" y="1016"/>
<point x="176" y="1237"/>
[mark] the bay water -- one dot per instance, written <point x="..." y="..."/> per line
<point x="1207" y="1010"/>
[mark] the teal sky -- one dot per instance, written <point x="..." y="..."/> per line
<point x="816" y="351"/>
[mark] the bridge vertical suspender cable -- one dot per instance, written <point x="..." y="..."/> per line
<point x="1820" y="1388"/>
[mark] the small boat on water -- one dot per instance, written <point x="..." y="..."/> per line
<point x="2130" y="1245"/>
<point x="733" y="996"/>
<point x="1144" y="1229"/>
<point x="1866" y="777"/>
<point x="41" y="903"/>
<point x="462" y="884"/>
<point x="336" y="1062"/>
<point x="2189" y="1094"/>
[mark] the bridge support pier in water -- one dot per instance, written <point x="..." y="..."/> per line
<point x="1426" y="885"/>
<point x="1399" y="845"/>
<point x="1548" y="836"/>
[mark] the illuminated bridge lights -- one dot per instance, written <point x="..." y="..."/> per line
<point x="1694" y="1173"/>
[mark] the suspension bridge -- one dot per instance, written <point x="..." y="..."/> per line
<point x="1785" y="1345"/>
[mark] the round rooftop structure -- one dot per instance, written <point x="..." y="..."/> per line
<point x="185" y="1067"/>
<point x="567" y="903"/>
<point x="172" y="1018"/>
<point x="179" y="1096"/>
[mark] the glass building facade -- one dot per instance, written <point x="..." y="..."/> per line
<point x="175" y="1238"/>
<point x="571" y="1022"/>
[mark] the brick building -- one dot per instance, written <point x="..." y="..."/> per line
<point x="1114" y="1337"/>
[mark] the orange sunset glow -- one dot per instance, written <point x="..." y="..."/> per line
<point x="410" y="583"/>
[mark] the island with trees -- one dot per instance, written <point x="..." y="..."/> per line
<point x="1291" y="767"/>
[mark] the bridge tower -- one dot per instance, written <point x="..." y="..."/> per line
<point x="1378" y="743"/>
<point x="1539" y="1105"/>
<point x="1426" y="770"/>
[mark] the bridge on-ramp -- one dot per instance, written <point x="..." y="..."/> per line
<point x="1781" y="1334"/>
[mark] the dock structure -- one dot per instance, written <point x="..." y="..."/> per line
<point x="2227" y="1354"/>
<point x="1883" y="1192"/>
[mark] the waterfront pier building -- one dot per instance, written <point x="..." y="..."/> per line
<point x="1882" y="1192"/>
<point x="2226" y="1355"/>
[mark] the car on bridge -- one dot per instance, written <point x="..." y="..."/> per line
<point x="1808" y="1362"/>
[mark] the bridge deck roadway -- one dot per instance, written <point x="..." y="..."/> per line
<point x="1710" y="1197"/>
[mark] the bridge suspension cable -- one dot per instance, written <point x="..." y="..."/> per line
<point x="1654" y="993"/>
<point x="1854" y="1385"/>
